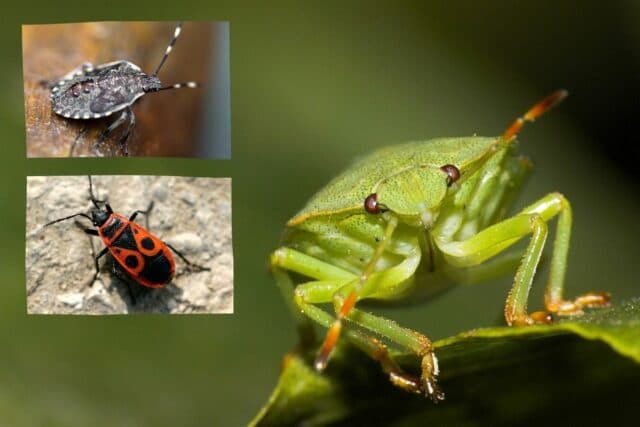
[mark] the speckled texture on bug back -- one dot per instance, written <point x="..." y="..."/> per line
<point x="92" y="93"/>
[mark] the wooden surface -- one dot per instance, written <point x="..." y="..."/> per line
<point x="167" y="122"/>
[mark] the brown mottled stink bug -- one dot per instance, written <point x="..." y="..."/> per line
<point x="91" y="92"/>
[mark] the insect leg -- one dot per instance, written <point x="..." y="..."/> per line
<point x="501" y="266"/>
<point x="93" y="232"/>
<point x="125" y="137"/>
<point x="419" y="344"/>
<point x="349" y="302"/>
<point x="332" y="285"/>
<point x="123" y="117"/>
<point x="286" y="259"/>
<point x="496" y="238"/>
<point x="370" y="345"/>
<point x="97" y="265"/>
<point x="318" y="292"/>
<point x="144" y="212"/>
<point x="83" y="130"/>
<point x="556" y="203"/>
<point x="191" y="265"/>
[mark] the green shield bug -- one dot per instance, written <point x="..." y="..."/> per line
<point x="413" y="219"/>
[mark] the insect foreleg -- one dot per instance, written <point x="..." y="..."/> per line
<point x="349" y="302"/>
<point x="496" y="238"/>
<point x="548" y="206"/>
<point x="320" y="291"/>
<point x="335" y="285"/>
<point x="499" y="267"/>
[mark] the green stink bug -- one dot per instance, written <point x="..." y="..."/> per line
<point x="413" y="219"/>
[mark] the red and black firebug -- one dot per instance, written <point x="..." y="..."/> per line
<point x="145" y="258"/>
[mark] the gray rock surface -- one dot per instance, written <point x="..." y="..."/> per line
<point x="191" y="214"/>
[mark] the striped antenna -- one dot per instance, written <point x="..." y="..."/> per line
<point x="176" y="34"/>
<point x="191" y="85"/>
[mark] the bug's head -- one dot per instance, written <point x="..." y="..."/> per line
<point x="414" y="194"/>
<point x="99" y="217"/>
<point x="151" y="84"/>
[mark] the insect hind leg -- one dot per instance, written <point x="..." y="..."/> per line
<point x="191" y="266"/>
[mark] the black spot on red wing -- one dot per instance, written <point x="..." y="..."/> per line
<point x="131" y="261"/>
<point x="157" y="269"/>
<point x="135" y="231"/>
<point x="147" y="243"/>
<point x="117" y="251"/>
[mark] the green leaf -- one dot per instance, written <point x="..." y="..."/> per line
<point x="581" y="371"/>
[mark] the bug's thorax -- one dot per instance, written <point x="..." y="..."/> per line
<point x="112" y="227"/>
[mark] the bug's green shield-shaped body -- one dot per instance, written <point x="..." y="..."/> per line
<point x="349" y="189"/>
<point x="335" y="228"/>
<point x="410" y="220"/>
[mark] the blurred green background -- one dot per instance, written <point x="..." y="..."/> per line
<point x="312" y="87"/>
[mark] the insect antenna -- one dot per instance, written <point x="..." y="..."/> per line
<point x="534" y="112"/>
<point x="191" y="85"/>
<point x="66" y="218"/>
<point x="176" y="34"/>
<point x="93" y="198"/>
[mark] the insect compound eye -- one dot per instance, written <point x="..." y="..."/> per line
<point x="453" y="173"/>
<point x="371" y="204"/>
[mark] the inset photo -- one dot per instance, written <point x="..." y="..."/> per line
<point x="103" y="89"/>
<point x="128" y="244"/>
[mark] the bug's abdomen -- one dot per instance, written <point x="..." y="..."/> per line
<point x="158" y="271"/>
